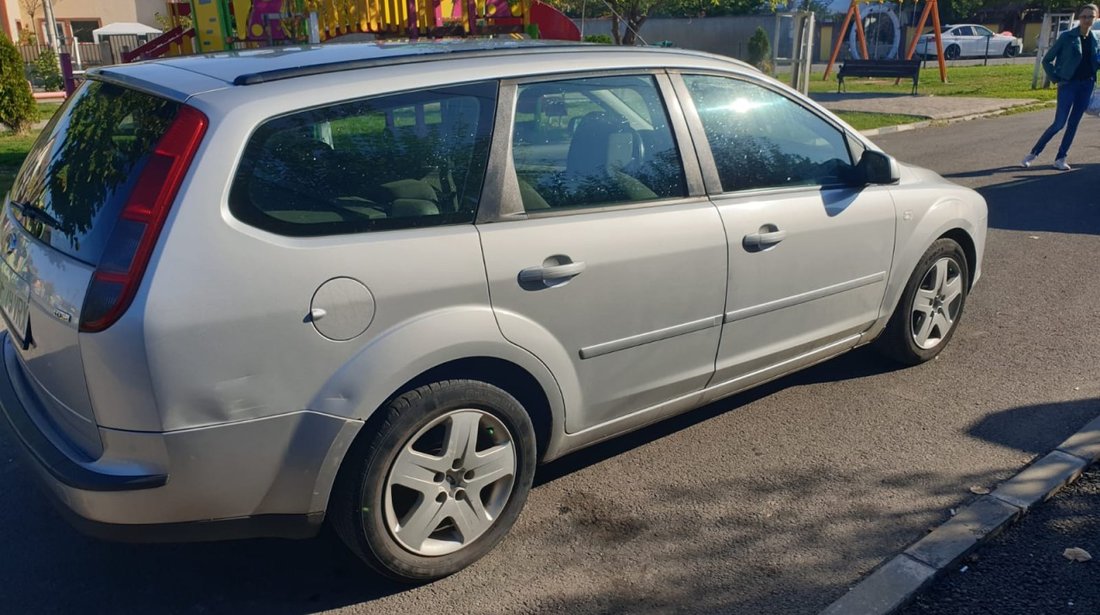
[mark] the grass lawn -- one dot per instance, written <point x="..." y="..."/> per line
<point x="866" y="121"/>
<point x="13" y="149"/>
<point x="46" y="109"/>
<point x="1002" y="81"/>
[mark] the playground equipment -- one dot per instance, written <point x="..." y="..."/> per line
<point x="217" y="25"/>
<point x="931" y="8"/>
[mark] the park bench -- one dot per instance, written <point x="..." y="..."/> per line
<point x="879" y="68"/>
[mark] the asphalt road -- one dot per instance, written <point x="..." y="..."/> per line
<point x="774" y="501"/>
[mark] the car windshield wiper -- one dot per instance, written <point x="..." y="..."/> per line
<point x="36" y="214"/>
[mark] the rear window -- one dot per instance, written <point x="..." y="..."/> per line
<point x="83" y="166"/>
<point x="406" y="160"/>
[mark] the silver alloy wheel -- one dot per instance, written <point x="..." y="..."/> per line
<point x="937" y="303"/>
<point x="450" y="482"/>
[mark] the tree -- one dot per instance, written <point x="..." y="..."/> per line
<point x="45" y="70"/>
<point x="31" y="7"/>
<point x="17" y="108"/>
<point x="759" y="48"/>
<point x="632" y="14"/>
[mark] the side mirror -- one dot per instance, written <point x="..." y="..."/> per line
<point x="877" y="168"/>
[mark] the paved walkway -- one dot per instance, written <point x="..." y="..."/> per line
<point x="931" y="107"/>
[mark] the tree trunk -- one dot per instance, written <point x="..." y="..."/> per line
<point x="633" y="26"/>
<point x="618" y="38"/>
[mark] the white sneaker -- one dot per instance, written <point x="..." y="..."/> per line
<point x="1026" y="162"/>
<point x="1061" y="165"/>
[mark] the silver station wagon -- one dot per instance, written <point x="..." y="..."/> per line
<point x="377" y="284"/>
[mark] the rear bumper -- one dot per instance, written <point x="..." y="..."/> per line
<point x="265" y="477"/>
<point x="60" y="466"/>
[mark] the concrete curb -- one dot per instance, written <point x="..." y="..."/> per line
<point x="892" y="585"/>
<point x="871" y="132"/>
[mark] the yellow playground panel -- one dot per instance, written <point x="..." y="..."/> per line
<point x="218" y="24"/>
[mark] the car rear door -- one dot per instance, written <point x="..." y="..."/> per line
<point x="604" y="256"/>
<point x="808" y="252"/>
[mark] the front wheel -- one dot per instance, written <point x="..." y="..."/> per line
<point x="440" y="481"/>
<point x="1010" y="51"/>
<point x="930" y="307"/>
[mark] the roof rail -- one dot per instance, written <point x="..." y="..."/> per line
<point x="424" y="54"/>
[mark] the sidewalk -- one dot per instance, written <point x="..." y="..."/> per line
<point x="932" y="570"/>
<point x="932" y="107"/>
<point x="1023" y="571"/>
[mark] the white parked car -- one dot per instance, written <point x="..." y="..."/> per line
<point x="970" y="40"/>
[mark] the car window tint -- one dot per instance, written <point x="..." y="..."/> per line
<point x="982" y="31"/>
<point x="392" y="162"/>
<point x="762" y="139"/>
<point x="963" y="31"/>
<point x="594" y="142"/>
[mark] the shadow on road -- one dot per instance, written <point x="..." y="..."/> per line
<point x="696" y="526"/>
<point x="1040" y="199"/>
<point x="860" y="363"/>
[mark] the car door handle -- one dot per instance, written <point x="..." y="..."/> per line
<point x="552" y="273"/>
<point x="763" y="240"/>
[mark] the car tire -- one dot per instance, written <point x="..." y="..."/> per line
<point x="952" y="52"/>
<point x="438" y="438"/>
<point x="1011" y="51"/>
<point x="930" y="307"/>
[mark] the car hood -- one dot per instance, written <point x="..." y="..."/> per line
<point x="913" y="174"/>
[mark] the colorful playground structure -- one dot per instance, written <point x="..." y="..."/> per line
<point x="202" y="26"/>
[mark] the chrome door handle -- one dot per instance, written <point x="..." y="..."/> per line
<point x="550" y="274"/>
<point x="763" y="240"/>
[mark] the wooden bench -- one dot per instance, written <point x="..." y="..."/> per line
<point x="879" y="68"/>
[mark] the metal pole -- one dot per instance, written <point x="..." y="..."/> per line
<point x="584" y="3"/>
<point x="314" y="29"/>
<point x="67" y="74"/>
<point x="808" y="52"/>
<point x="51" y="27"/>
<point x="985" y="60"/>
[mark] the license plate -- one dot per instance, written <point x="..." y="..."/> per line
<point x="14" y="297"/>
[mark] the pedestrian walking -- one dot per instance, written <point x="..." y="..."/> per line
<point x="1071" y="63"/>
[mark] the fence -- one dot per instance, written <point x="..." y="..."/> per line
<point x="87" y="55"/>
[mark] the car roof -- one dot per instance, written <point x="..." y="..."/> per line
<point x="199" y="73"/>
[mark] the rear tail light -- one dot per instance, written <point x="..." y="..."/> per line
<point x="126" y="256"/>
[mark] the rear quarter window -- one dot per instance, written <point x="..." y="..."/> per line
<point x="392" y="162"/>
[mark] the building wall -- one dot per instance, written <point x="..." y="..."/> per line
<point x="103" y="11"/>
<point x="9" y="12"/>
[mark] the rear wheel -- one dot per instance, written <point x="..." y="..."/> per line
<point x="440" y="481"/>
<point x="930" y="307"/>
<point x="952" y="52"/>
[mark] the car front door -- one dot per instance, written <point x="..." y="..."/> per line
<point x="809" y="252"/>
<point x="968" y="41"/>
<point x="606" y="259"/>
<point x="986" y="44"/>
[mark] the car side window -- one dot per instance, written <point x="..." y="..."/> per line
<point x="982" y="31"/>
<point x="762" y="139"/>
<point x="392" y="162"/>
<point x="963" y="31"/>
<point x="594" y="142"/>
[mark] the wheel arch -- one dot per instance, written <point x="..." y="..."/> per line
<point x="966" y="242"/>
<point x="503" y="374"/>
<point x="507" y="375"/>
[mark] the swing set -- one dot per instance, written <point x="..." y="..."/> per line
<point x="931" y="8"/>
